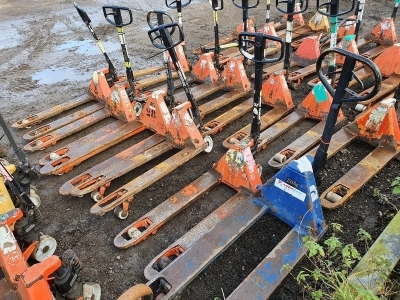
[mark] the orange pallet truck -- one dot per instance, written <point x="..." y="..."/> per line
<point x="36" y="282"/>
<point x="378" y="126"/>
<point x="291" y="195"/>
<point x="16" y="190"/>
<point x="310" y="139"/>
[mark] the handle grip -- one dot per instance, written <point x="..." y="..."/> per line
<point x="258" y="40"/>
<point x="216" y="5"/>
<point x="333" y="6"/>
<point x="290" y="5"/>
<point x="157" y="18"/>
<point x="84" y="16"/>
<point x="245" y="4"/>
<point x="117" y="13"/>
<point x="177" y="4"/>
<point x="346" y="74"/>
<point x="160" y="36"/>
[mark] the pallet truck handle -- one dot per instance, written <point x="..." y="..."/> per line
<point x="346" y="75"/>
<point x="258" y="40"/>
<point x="335" y="5"/>
<point x="162" y="19"/>
<point x="177" y="4"/>
<point x="163" y="34"/>
<point x="216" y="5"/>
<point x="245" y="4"/>
<point x="290" y="6"/>
<point x="116" y="12"/>
<point x="83" y="14"/>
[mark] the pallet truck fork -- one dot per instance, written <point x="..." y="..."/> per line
<point x="378" y="126"/>
<point x="24" y="282"/>
<point x="291" y="195"/>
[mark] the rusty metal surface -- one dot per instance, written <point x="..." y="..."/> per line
<point x="148" y="71"/>
<point x="267" y="120"/>
<point x="209" y="246"/>
<point x="189" y="238"/>
<point x="6" y="293"/>
<point x="279" y="128"/>
<point x="199" y="92"/>
<point x="221" y="101"/>
<point x="48" y="113"/>
<point x="359" y="175"/>
<point x="217" y="124"/>
<point x="129" y="190"/>
<point x="263" y="280"/>
<point x="115" y="166"/>
<point x="339" y="140"/>
<point x="222" y="41"/>
<point x="388" y="86"/>
<point x="54" y="136"/>
<point x="164" y="212"/>
<point x="161" y="78"/>
<point x="88" y="146"/>
<point x="300" y="146"/>
<point x="49" y="127"/>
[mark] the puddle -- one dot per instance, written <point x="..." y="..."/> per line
<point x="9" y="38"/>
<point x="55" y="75"/>
<point x="88" y="47"/>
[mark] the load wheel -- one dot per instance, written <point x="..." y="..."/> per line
<point x="119" y="212"/>
<point x="293" y="85"/>
<point x="208" y="140"/>
<point x="34" y="196"/>
<point x="137" y="292"/>
<point x="95" y="195"/>
<point x="279" y="158"/>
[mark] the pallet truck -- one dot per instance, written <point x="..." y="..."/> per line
<point x="16" y="190"/>
<point x="291" y="195"/>
<point x="310" y="139"/>
<point x="51" y="279"/>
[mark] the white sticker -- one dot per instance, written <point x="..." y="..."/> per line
<point x="289" y="189"/>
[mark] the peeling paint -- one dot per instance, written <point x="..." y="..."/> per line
<point x="8" y="244"/>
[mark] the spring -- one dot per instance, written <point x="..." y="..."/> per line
<point x="70" y="259"/>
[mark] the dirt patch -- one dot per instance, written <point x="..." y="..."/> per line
<point x="46" y="40"/>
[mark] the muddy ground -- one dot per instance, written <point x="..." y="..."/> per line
<point x="47" y="56"/>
